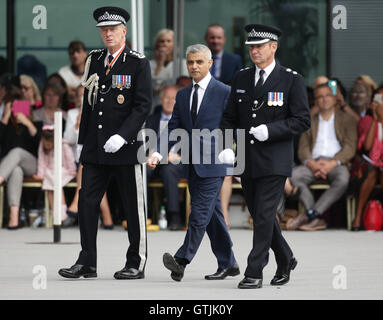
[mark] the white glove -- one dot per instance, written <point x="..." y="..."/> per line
<point x="114" y="144"/>
<point x="158" y="156"/>
<point x="227" y="156"/>
<point x="261" y="133"/>
<point x="78" y="152"/>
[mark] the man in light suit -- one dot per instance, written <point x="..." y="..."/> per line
<point x="225" y="64"/>
<point x="201" y="106"/>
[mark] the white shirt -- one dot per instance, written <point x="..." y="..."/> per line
<point x="269" y="69"/>
<point x="71" y="79"/>
<point x="201" y="90"/>
<point x="114" y="55"/>
<point x="326" y="144"/>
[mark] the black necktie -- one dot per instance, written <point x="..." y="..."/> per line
<point x="107" y="68"/>
<point x="260" y="80"/>
<point x="194" y="103"/>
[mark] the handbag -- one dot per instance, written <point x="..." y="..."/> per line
<point x="373" y="215"/>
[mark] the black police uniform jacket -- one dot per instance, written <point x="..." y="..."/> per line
<point x="274" y="156"/>
<point x="115" y="111"/>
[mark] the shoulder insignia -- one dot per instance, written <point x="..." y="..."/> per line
<point x="95" y="51"/>
<point x="292" y="71"/>
<point x="136" y="54"/>
<point x="244" y="69"/>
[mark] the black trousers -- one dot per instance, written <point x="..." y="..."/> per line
<point x="95" y="179"/>
<point x="170" y="174"/>
<point x="262" y="196"/>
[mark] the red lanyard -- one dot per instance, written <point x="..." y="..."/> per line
<point x="109" y="65"/>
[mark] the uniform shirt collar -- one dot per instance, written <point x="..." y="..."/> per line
<point x="114" y="54"/>
<point x="268" y="69"/>
<point x="204" y="82"/>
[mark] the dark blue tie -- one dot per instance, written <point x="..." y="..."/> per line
<point x="194" y="103"/>
<point x="212" y="70"/>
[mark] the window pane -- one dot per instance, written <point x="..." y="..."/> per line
<point x="302" y="47"/>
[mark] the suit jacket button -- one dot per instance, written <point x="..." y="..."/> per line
<point x="254" y="115"/>
<point x="103" y="86"/>
<point x="100" y="113"/>
<point x="100" y="126"/>
<point x="252" y="141"/>
<point x="240" y="100"/>
<point x="102" y="100"/>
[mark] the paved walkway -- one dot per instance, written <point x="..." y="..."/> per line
<point x="332" y="264"/>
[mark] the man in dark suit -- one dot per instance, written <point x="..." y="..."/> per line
<point x="225" y="64"/>
<point x="200" y="107"/>
<point x="117" y="101"/>
<point x="270" y="103"/>
<point x="169" y="173"/>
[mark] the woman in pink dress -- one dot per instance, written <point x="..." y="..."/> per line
<point x="46" y="166"/>
<point x="370" y="132"/>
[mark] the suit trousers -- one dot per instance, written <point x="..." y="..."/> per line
<point x="262" y="196"/>
<point x="338" y="179"/>
<point x="206" y="216"/>
<point x="95" y="179"/>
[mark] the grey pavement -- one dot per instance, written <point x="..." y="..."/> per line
<point x="359" y="255"/>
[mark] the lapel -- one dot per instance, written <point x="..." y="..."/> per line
<point x="118" y="65"/>
<point x="271" y="81"/>
<point x="223" y="66"/>
<point x="186" y="103"/>
<point x="100" y="69"/>
<point x="207" y="97"/>
<point x="314" y="130"/>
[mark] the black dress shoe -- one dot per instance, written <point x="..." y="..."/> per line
<point x="171" y="264"/>
<point x="282" y="278"/>
<point x="129" y="274"/>
<point x="250" y="283"/>
<point x="360" y="228"/>
<point x="77" y="271"/>
<point x="223" y="273"/>
<point x="13" y="227"/>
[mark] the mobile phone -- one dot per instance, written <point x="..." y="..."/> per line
<point x="21" y="106"/>
<point x="333" y="84"/>
<point x="378" y="97"/>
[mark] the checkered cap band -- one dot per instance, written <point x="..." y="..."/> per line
<point x="111" y="17"/>
<point x="264" y="35"/>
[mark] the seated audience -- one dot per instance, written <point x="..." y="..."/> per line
<point x="52" y="102"/>
<point x="45" y="167"/>
<point x="30" y="91"/>
<point x="325" y="150"/>
<point x="72" y="74"/>
<point x="360" y="98"/>
<point x="169" y="173"/>
<point x="370" y="144"/>
<point x="162" y="65"/>
<point x="19" y="140"/>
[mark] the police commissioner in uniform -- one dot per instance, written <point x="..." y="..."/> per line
<point x="117" y="101"/>
<point x="270" y="103"/>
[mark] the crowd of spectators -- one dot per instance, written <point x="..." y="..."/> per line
<point x="343" y="148"/>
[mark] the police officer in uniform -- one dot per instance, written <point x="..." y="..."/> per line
<point x="117" y="101"/>
<point x="270" y="103"/>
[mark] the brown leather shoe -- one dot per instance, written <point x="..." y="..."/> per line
<point x="295" y="223"/>
<point x="316" y="224"/>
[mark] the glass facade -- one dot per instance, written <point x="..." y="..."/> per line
<point x="304" y="24"/>
<point x="302" y="47"/>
